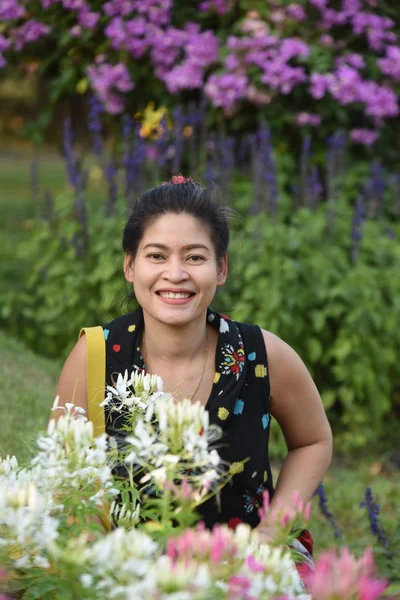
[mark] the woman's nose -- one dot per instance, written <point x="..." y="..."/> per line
<point x="176" y="271"/>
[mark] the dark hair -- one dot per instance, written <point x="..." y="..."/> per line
<point x="187" y="197"/>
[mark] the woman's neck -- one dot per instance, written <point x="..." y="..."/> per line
<point x="174" y="344"/>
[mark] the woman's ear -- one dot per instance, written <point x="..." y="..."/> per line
<point x="128" y="268"/>
<point x="222" y="270"/>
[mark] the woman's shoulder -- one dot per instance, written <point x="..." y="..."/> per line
<point x="127" y="322"/>
<point x="278" y="350"/>
<point x="285" y="365"/>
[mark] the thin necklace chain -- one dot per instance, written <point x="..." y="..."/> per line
<point x="149" y="370"/>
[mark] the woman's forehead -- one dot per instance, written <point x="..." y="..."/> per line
<point x="176" y="229"/>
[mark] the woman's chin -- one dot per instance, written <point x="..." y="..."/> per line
<point x="176" y="315"/>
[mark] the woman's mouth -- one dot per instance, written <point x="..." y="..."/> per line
<point x="175" y="297"/>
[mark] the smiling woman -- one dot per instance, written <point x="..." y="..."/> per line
<point x="175" y="244"/>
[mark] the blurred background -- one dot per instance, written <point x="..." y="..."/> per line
<point x="292" y="110"/>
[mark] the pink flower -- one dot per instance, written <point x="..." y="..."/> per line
<point x="297" y="12"/>
<point x="364" y="136"/>
<point x="254" y="565"/>
<point x="88" y="19"/>
<point x="326" y="40"/>
<point x="343" y="576"/>
<point x="320" y="84"/>
<point x="371" y="589"/>
<point x="29" y="32"/>
<point x="107" y="80"/>
<point x="238" y="586"/>
<point x="75" y="31"/>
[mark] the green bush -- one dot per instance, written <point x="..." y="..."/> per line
<point x="339" y="315"/>
<point x="291" y="273"/>
<point x="61" y="290"/>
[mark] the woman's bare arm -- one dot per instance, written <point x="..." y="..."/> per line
<point x="297" y="406"/>
<point x="72" y="383"/>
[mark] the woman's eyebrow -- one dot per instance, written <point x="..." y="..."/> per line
<point x="187" y="247"/>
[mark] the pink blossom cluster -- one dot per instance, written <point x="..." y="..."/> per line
<point x="130" y="35"/>
<point x="157" y="12"/>
<point x="221" y="7"/>
<point x="269" y="53"/>
<point x="4" y="45"/>
<point x="390" y="64"/>
<point x="296" y="12"/>
<point x="364" y="136"/>
<point x="259" y="63"/>
<point x="226" y="89"/>
<point x="343" y="576"/>
<point x="11" y="10"/>
<point x="306" y="118"/>
<point x="203" y="545"/>
<point x="86" y="18"/>
<point x="347" y="86"/>
<point x="180" y="56"/>
<point x="110" y="83"/>
<point x="375" y="27"/>
<point x="30" y="31"/>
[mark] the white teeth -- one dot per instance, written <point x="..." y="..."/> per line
<point x="172" y="295"/>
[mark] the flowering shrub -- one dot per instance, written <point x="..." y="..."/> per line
<point x="336" y="61"/>
<point x="55" y="517"/>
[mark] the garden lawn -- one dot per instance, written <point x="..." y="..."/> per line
<point x="27" y="388"/>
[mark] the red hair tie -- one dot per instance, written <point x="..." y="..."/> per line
<point x="177" y="179"/>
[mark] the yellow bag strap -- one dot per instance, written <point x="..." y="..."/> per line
<point x="96" y="376"/>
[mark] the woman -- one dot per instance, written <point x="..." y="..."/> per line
<point x="175" y="244"/>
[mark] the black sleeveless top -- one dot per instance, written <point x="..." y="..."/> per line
<point x="239" y="404"/>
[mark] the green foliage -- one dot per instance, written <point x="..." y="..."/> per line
<point x="290" y="275"/>
<point x="61" y="291"/>
<point x="340" y="316"/>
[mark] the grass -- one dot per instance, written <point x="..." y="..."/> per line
<point x="27" y="387"/>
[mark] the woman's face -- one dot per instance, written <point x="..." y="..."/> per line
<point x="175" y="272"/>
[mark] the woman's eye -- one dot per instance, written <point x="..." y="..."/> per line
<point x="196" y="258"/>
<point x="155" y="256"/>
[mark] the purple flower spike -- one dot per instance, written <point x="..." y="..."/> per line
<point x="179" y="123"/>
<point x="35" y="179"/>
<point x="127" y="129"/>
<point x="304" y="170"/>
<point x="325" y="510"/>
<point x="335" y="172"/>
<point x="95" y="125"/>
<point x="315" y="188"/>
<point x="357" y="227"/>
<point x="377" y="189"/>
<point x="111" y="172"/>
<point x="373" y="511"/>
<point x="69" y="155"/>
